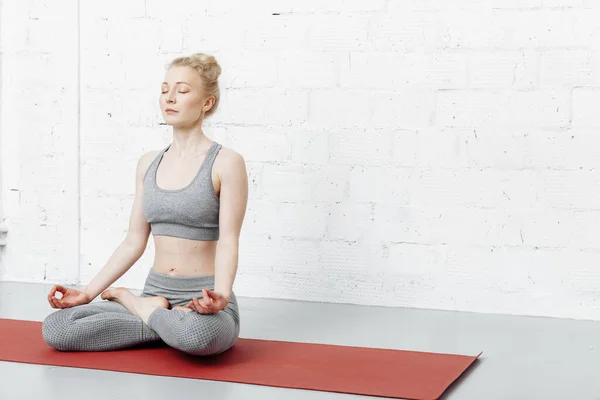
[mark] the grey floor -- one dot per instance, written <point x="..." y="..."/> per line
<point x="524" y="357"/>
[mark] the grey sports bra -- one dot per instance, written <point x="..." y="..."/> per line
<point x="191" y="212"/>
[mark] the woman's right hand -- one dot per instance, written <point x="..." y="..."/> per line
<point x="70" y="297"/>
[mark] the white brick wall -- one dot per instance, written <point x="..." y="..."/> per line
<point x="434" y="154"/>
<point x="39" y="140"/>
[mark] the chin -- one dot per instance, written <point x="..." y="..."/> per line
<point x="171" y="119"/>
<point x="175" y="121"/>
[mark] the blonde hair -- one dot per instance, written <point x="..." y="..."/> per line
<point x="209" y="70"/>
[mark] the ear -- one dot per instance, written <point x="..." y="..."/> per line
<point x="208" y="104"/>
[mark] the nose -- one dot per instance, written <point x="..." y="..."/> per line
<point x="170" y="97"/>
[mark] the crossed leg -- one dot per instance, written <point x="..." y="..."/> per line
<point x="127" y="320"/>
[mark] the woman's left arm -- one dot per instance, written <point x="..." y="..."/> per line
<point x="233" y="201"/>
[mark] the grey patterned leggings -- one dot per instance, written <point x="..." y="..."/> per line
<point x="107" y="325"/>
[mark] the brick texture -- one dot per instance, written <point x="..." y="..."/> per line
<point x="412" y="153"/>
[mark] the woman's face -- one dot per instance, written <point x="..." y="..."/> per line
<point x="182" y="99"/>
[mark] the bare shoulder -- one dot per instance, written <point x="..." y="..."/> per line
<point x="230" y="163"/>
<point x="144" y="162"/>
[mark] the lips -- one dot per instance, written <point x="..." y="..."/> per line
<point x="171" y="111"/>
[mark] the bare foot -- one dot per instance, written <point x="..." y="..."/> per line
<point x="182" y="308"/>
<point x="140" y="306"/>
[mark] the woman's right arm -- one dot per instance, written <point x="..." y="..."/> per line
<point x="133" y="245"/>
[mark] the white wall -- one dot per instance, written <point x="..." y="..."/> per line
<point x="3" y="228"/>
<point x="435" y="154"/>
<point x="38" y="124"/>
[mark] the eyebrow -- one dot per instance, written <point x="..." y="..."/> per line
<point x="165" y="83"/>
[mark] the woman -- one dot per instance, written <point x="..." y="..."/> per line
<point x="192" y="196"/>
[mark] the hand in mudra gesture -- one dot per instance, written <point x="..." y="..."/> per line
<point x="70" y="297"/>
<point x="211" y="302"/>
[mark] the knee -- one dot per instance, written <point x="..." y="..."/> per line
<point x="55" y="330"/>
<point x="202" y="342"/>
<point x="205" y="340"/>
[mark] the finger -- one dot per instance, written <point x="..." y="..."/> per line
<point x="211" y="308"/>
<point x="50" y="295"/>
<point x="61" y="289"/>
<point x="206" y="310"/>
<point x="60" y="303"/>
<point x="206" y="298"/>
<point x="55" y="288"/>
<point x="200" y="306"/>
<point x="56" y="302"/>
<point x="213" y="295"/>
<point x="52" y="291"/>
<point x="193" y="304"/>
<point x="196" y="302"/>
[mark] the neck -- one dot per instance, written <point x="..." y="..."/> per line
<point x="189" y="141"/>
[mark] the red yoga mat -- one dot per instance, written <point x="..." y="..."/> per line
<point x="329" y="368"/>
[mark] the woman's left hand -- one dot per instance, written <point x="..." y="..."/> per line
<point x="211" y="302"/>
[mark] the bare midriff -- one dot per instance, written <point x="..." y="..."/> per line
<point x="184" y="257"/>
